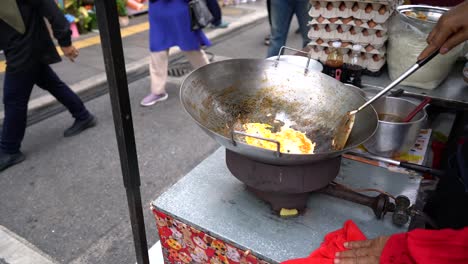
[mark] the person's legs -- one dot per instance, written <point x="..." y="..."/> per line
<point x="302" y="13"/>
<point x="215" y="11"/>
<point x="281" y="14"/>
<point x="158" y="73"/>
<point x="268" y="4"/>
<point x="197" y="58"/>
<point x="16" y="92"/>
<point x="49" y="81"/>
<point x="267" y="37"/>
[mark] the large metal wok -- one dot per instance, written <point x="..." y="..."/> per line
<point x="221" y="96"/>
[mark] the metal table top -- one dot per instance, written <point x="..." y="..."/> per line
<point x="212" y="200"/>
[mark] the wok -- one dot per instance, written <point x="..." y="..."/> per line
<point x="221" y="96"/>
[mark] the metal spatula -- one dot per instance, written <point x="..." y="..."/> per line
<point x="347" y="122"/>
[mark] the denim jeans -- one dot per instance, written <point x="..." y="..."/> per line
<point x="215" y="11"/>
<point x="282" y="12"/>
<point x="16" y="92"/>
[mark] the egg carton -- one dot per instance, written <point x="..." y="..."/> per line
<point x="370" y="62"/>
<point x="347" y="45"/>
<point x="377" y="11"/>
<point x="376" y="39"/>
<point x="347" y="23"/>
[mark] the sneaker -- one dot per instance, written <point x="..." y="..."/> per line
<point x="8" y="160"/>
<point x="79" y="126"/>
<point x="221" y="25"/>
<point x="151" y="99"/>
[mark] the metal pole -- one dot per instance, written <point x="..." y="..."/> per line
<point x="111" y="42"/>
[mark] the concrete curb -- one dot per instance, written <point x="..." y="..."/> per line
<point x="15" y="249"/>
<point x="46" y="106"/>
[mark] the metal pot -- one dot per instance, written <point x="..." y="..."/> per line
<point x="392" y="138"/>
<point x="221" y="95"/>
<point x="370" y="92"/>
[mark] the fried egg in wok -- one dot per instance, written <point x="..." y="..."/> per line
<point x="291" y="140"/>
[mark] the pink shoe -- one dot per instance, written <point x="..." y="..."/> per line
<point x="151" y="99"/>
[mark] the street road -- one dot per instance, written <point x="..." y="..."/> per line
<point x="68" y="198"/>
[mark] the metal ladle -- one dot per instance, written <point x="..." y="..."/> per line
<point x="347" y="122"/>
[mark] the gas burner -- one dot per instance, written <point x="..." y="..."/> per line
<point x="282" y="186"/>
<point x="289" y="187"/>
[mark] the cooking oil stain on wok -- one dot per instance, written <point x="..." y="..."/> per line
<point x="261" y="106"/>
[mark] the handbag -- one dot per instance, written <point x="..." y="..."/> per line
<point x="200" y="16"/>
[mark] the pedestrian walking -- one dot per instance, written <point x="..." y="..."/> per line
<point x="170" y="26"/>
<point x="29" y="50"/>
<point x="215" y="11"/>
<point x="267" y="38"/>
<point x="281" y="12"/>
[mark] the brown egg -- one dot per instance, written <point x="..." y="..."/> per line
<point x="320" y="19"/>
<point x="346" y="20"/>
<point x="355" y="7"/>
<point x="372" y="24"/>
<point x="382" y="10"/>
<point x="378" y="33"/>
<point x="317" y="6"/>
<point x="342" y="6"/>
<point x="319" y="41"/>
<point x="369" y="48"/>
<point x="329" y="6"/>
<point x="365" y="32"/>
<point x="345" y="44"/>
<point x="358" y="22"/>
<point x="330" y="43"/>
<point x="316" y="27"/>
<point x="327" y="51"/>
<point x="333" y="20"/>
<point x="339" y="29"/>
<point x="376" y="57"/>
<point x="368" y="8"/>
<point x="327" y="28"/>
<point x="353" y="31"/>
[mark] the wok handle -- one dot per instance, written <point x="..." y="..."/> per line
<point x="278" y="144"/>
<point x="296" y="50"/>
<point x="420" y="168"/>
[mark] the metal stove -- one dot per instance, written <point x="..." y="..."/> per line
<point x="213" y="201"/>
<point x="289" y="187"/>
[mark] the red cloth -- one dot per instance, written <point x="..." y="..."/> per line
<point x="332" y="243"/>
<point x="445" y="246"/>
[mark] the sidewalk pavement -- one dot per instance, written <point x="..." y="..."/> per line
<point x="87" y="75"/>
<point x="16" y="250"/>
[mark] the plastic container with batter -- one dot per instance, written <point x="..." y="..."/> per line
<point x="407" y="38"/>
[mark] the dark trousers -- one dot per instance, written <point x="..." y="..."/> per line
<point x="282" y="12"/>
<point x="215" y="11"/>
<point x="268" y="3"/>
<point x="16" y="92"/>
